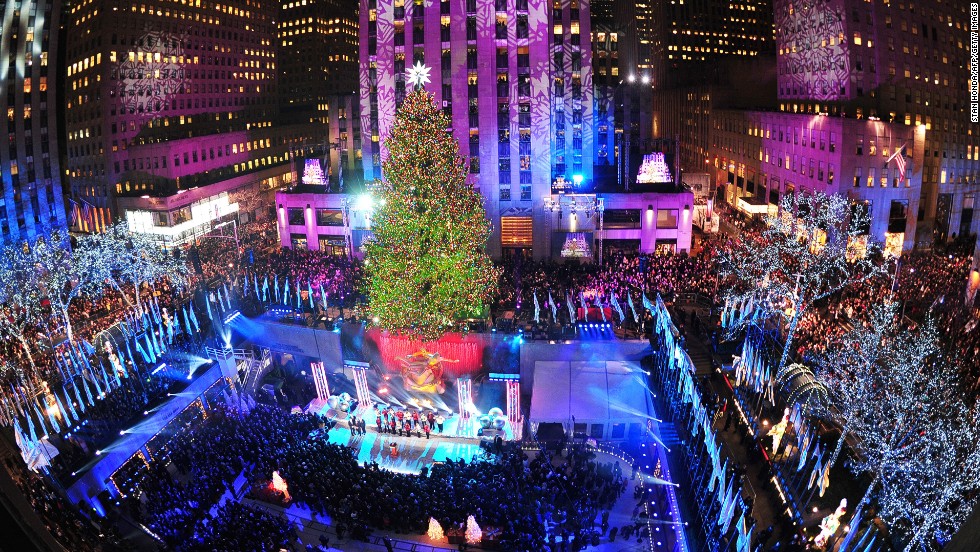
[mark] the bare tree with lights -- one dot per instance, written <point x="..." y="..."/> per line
<point x="20" y="299"/>
<point x="844" y="375"/>
<point x="946" y="480"/>
<point x="59" y="276"/>
<point x="137" y="259"/>
<point x="911" y="395"/>
<point x="814" y="248"/>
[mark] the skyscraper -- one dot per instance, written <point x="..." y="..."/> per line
<point x="705" y="55"/>
<point x="895" y="61"/>
<point x="32" y="197"/>
<point x="172" y="108"/>
<point x="317" y="55"/>
<point x="622" y="88"/>
<point x="515" y="78"/>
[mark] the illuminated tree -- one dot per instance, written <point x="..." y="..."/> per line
<point x="473" y="532"/>
<point x="844" y="375"/>
<point x="814" y="248"/>
<point x="947" y="479"/>
<point x="135" y="258"/>
<point x="20" y="298"/>
<point x="911" y="400"/>
<point x="64" y="274"/>
<point x="435" y="530"/>
<point x="427" y="265"/>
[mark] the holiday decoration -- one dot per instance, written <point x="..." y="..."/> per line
<point x="422" y="371"/>
<point x="653" y="170"/>
<point x="418" y="75"/>
<point x="313" y="173"/>
<point x="279" y="484"/>
<point x="830" y="525"/>
<point x="576" y="246"/>
<point x="473" y="532"/>
<point x="427" y="265"/>
<point x="435" y="530"/>
<point x="805" y="254"/>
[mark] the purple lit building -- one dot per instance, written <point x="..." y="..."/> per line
<point x="885" y="76"/>
<point x="172" y="110"/>
<point x="896" y="61"/>
<point x="762" y="156"/>
<point x="515" y="78"/>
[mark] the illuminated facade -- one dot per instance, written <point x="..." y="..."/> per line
<point x="896" y="61"/>
<point x="515" y="78"/>
<point x="759" y="157"/>
<point x="32" y="197"/>
<point x="167" y="97"/>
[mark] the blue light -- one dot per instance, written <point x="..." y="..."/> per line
<point x="577" y="179"/>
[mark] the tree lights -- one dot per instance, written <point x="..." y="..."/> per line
<point x="427" y="265"/>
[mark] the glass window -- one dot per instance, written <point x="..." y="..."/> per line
<point x="618" y="431"/>
<point x="295" y="215"/>
<point x="329" y="217"/>
<point x="666" y="218"/>
<point x="897" y="216"/>
<point x="298" y="241"/>
<point x="622" y="218"/>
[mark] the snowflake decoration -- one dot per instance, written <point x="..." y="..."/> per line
<point x="418" y="75"/>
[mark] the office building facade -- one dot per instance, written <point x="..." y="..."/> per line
<point x="759" y="157"/>
<point x="897" y="61"/>
<point x="168" y="97"/>
<point x="32" y="200"/>
<point x="515" y="79"/>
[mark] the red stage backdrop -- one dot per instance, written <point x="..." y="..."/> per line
<point x="468" y="350"/>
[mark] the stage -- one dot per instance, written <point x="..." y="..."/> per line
<point x="454" y="425"/>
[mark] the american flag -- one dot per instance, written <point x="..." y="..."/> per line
<point x="899" y="158"/>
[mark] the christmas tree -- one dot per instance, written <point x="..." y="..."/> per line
<point x="473" y="532"/>
<point x="435" y="530"/>
<point x="427" y="265"/>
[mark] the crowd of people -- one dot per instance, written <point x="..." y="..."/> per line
<point x="619" y="275"/>
<point x="547" y="495"/>
<point x="927" y="285"/>
<point x="206" y="461"/>
<point x="237" y="527"/>
<point x="339" y="276"/>
<point x="72" y="530"/>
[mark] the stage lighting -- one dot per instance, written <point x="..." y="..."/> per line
<point x="122" y="431"/>
<point x="98" y="453"/>
<point x="145" y="412"/>
<point x="188" y="376"/>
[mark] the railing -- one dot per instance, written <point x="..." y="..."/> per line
<point x="255" y="368"/>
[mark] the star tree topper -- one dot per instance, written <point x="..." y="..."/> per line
<point x="418" y="75"/>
